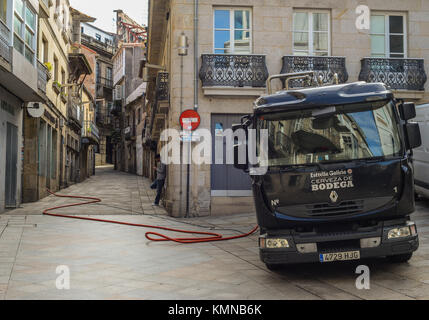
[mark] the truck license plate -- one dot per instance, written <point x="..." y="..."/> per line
<point x="340" y="256"/>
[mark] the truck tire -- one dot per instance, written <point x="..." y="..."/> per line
<point x="273" y="267"/>
<point x="400" y="258"/>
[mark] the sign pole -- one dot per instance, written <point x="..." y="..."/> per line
<point x="190" y="120"/>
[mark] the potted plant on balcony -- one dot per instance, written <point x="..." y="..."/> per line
<point x="48" y="66"/>
<point x="57" y="87"/>
<point x="63" y="97"/>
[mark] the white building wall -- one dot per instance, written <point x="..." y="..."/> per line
<point x="92" y="31"/>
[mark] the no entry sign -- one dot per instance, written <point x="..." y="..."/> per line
<point x="190" y="120"/>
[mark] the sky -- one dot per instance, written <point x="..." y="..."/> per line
<point x="103" y="11"/>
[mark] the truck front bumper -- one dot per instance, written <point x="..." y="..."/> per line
<point x="341" y="242"/>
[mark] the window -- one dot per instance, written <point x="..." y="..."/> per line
<point x="311" y="33"/>
<point x="98" y="37"/>
<point x="3" y="10"/>
<point x="63" y="76"/>
<point x="109" y="74"/>
<point x="232" y="31"/>
<point x="97" y="70"/>
<point x="24" y="27"/>
<point x="56" y="69"/>
<point x="388" y="36"/>
<point x="45" y="50"/>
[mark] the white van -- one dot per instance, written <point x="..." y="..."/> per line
<point x="421" y="155"/>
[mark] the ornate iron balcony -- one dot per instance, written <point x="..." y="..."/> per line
<point x="325" y="67"/>
<point x="98" y="45"/>
<point x="43" y="76"/>
<point x="74" y="114"/>
<point x="105" y="82"/>
<point x="162" y="87"/>
<point x="397" y="73"/>
<point x="5" y="50"/>
<point x="90" y="132"/>
<point x="233" y="70"/>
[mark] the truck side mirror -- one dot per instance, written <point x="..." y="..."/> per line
<point x="241" y="159"/>
<point x="407" y="111"/>
<point x="414" y="138"/>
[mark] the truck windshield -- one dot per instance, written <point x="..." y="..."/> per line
<point x="336" y="134"/>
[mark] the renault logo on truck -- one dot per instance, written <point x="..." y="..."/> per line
<point x="334" y="196"/>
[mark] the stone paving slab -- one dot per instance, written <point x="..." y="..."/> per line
<point x="117" y="262"/>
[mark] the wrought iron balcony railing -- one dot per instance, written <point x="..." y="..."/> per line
<point x="105" y="82"/>
<point x="90" y="131"/>
<point x="325" y="68"/>
<point x="42" y="76"/>
<point x="233" y="70"/>
<point x="130" y="132"/>
<point x="73" y="112"/>
<point x="162" y="87"/>
<point x="5" y="49"/>
<point x="96" y="44"/>
<point x="397" y="73"/>
<point x="116" y="108"/>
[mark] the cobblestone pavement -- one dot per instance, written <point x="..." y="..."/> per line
<point x="117" y="262"/>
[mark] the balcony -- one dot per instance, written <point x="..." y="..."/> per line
<point x="98" y="45"/>
<point x="90" y="133"/>
<point x="130" y="133"/>
<point x="43" y="77"/>
<point x="5" y="49"/>
<point x="104" y="87"/>
<point x="325" y="68"/>
<point x="162" y="92"/>
<point x="162" y="87"/>
<point x="233" y="71"/>
<point x="74" y="115"/>
<point x="116" y="108"/>
<point x="105" y="82"/>
<point x="100" y="117"/>
<point x="396" y="73"/>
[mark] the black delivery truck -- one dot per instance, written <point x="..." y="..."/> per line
<point x="339" y="180"/>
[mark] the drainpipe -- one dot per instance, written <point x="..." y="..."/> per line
<point x="196" y="87"/>
<point x="196" y="55"/>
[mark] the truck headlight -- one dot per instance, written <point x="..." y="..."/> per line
<point x="277" y="243"/>
<point x="399" y="233"/>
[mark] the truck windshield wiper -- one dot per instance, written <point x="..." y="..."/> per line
<point x="291" y="168"/>
<point x="372" y="160"/>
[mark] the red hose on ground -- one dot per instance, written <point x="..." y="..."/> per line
<point x="212" y="236"/>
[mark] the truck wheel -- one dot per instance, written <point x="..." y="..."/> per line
<point x="273" y="267"/>
<point x="400" y="258"/>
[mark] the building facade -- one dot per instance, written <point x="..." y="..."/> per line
<point x="44" y="149"/>
<point x="234" y="48"/>
<point x="128" y="97"/>
<point x="22" y="85"/>
<point x="100" y="48"/>
<point x="42" y="112"/>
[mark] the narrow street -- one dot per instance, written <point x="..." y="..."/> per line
<point x="117" y="262"/>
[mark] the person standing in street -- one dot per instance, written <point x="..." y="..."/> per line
<point x="161" y="172"/>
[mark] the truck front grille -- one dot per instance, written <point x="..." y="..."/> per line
<point x="329" y="210"/>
